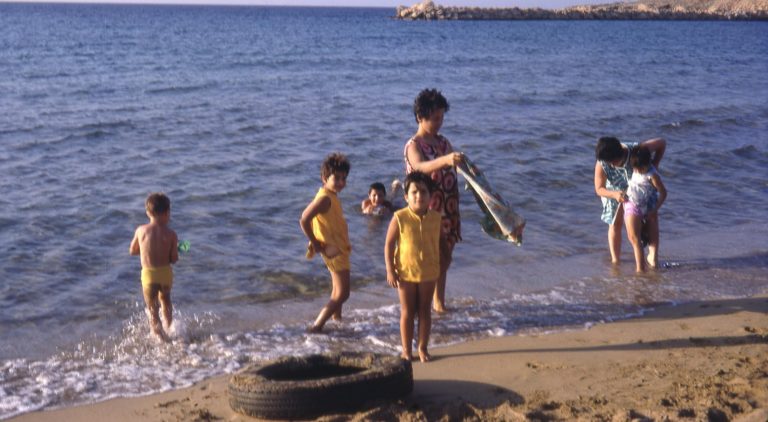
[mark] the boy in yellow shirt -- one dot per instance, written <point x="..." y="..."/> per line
<point x="324" y="225"/>
<point x="157" y="244"/>
<point x="412" y="257"/>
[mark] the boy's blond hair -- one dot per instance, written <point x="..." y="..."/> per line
<point x="157" y="203"/>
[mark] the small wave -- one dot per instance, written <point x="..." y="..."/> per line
<point x="747" y="151"/>
<point x="683" y="124"/>
<point x="120" y="124"/>
<point x="181" y="89"/>
<point x="254" y="128"/>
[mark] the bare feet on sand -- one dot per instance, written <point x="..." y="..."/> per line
<point x="424" y="356"/>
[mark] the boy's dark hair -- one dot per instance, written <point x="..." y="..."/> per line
<point x="157" y="203"/>
<point x="379" y="187"/>
<point x="640" y="159"/>
<point x="608" y="149"/>
<point x="334" y="163"/>
<point x="418" y="177"/>
<point x="428" y="101"/>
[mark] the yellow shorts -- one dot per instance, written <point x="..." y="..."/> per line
<point x="162" y="276"/>
<point x="338" y="263"/>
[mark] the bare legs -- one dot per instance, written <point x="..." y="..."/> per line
<point x="339" y="295"/>
<point x="155" y="297"/>
<point x="652" y="221"/>
<point x="415" y="299"/>
<point x="446" y="256"/>
<point x="614" y="236"/>
<point x="634" y="227"/>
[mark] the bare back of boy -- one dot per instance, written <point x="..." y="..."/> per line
<point x="157" y="245"/>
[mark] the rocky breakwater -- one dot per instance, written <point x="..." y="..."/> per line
<point x="647" y="10"/>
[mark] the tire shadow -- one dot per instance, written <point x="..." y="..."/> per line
<point x="445" y="400"/>
<point x="450" y="393"/>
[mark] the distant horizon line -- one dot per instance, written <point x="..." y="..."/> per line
<point x="546" y="5"/>
<point x="188" y="3"/>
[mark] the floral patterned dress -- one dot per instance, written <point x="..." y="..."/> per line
<point x="445" y="199"/>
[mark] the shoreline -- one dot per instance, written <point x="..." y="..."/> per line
<point x="697" y="360"/>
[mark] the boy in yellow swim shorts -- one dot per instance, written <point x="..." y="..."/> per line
<point x="157" y="245"/>
<point x="412" y="256"/>
<point x="324" y="225"/>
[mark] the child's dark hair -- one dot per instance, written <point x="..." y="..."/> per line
<point x="157" y="203"/>
<point x="608" y="149"/>
<point x="640" y="159"/>
<point x="418" y="177"/>
<point x="379" y="187"/>
<point x="334" y="163"/>
<point x="428" y="101"/>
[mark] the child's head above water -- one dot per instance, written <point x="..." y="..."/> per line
<point x="428" y="101"/>
<point x="641" y="160"/>
<point x="377" y="193"/>
<point x="157" y="204"/>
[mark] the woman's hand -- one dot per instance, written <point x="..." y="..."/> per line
<point x="621" y="196"/>
<point x="453" y="159"/>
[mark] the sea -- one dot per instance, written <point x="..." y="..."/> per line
<point x="231" y="110"/>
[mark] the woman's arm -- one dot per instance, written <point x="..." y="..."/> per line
<point x="601" y="190"/>
<point x="393" y="233"/>
<point x="418" y="163"/>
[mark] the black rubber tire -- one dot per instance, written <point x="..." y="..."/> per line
<point x="273" y="391"/>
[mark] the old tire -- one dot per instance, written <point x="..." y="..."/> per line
<point x="310" y="386"/>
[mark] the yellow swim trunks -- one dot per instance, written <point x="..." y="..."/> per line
<point x="337" y="263"/>
<point x="162" y="276"/>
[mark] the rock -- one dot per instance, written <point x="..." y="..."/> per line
<point x="647" y="10"/>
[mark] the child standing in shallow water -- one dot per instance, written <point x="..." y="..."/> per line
<point x="645" y="194"/>
<point x="324" y="225"/>
<point x="412" y="258"/>
<point x="157" y="244"/>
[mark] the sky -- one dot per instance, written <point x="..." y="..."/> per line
<point x="354" y="3"/>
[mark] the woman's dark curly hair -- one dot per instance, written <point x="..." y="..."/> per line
<point x="428" y="101"/>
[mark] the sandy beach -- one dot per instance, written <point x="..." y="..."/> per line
<point x="698" y="361"/>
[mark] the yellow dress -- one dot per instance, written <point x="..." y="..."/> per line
<point x="417" y="256"/>
<point x="330" y="228"/>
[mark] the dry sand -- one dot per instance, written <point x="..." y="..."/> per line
<point x="694" y="362"/>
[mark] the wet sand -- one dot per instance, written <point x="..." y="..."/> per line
<point x="698" y="361"/>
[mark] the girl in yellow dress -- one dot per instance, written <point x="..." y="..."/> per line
<point x="412" y="257"/>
